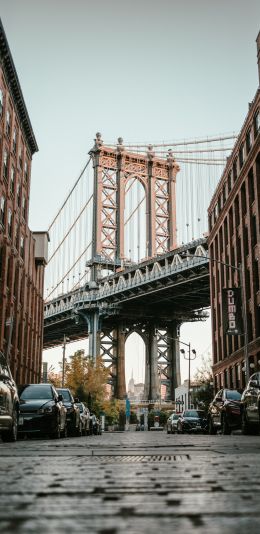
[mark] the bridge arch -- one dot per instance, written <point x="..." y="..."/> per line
<point x="135" y="353"/>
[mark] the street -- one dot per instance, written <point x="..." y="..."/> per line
<point x="134" y="482"/>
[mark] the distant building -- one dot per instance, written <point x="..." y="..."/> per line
<point x="234" y="238"/>
<point x="23" y="254"/>
<point x="181" y="395"/>
<point x="135" y="391"/>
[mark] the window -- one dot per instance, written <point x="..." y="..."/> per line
<point x="235" y="170"/>
<point x="15" y="140"/>
<point x="2" y="211"/>
<point x="16" y="237"/>
<point x="18" y="194"/>
<point x="21" y="157"/>
<point x="249" y="140"/>
<point x="9" y="222"/>
<point x="1" y="102"/>
<point x="5" y="167"/>
<point x="22" y="246"/>
<point x="12" y="179"/>
<point x="241" y="157"/>
<point x="26" y="171"/>
<point x="24" y="207"/>
<point x="257" y="123"/>
<point x="229" y="182"/>
<point x="8" y="123"/>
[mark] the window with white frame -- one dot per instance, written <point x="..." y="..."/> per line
<point x="2" y="210"/>
<point x="8" y="122"/>
<point x="12" y="179"/>
<point x="1" y="101"/>
<point x="9" y="222"/>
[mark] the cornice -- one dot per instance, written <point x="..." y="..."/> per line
<point x="16" y="91"/>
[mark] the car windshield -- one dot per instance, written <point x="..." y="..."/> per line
<point x="193" y="413"/>
<point x="175" y="416"/>
<point x="36" y="392"/>
<point x="233" y="395"/>
<point x="66" y="394"/>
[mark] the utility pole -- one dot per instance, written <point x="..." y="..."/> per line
<point x="65" y="339"/>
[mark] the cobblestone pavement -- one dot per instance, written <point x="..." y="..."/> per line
<point x="132" y="482"/>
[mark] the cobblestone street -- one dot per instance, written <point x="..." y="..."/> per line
<point x="131" y="482"/>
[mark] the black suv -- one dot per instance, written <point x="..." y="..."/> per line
<point x="9" y="402"/>
<point x="251" y="405"/>
<point x="74" y="424"/>
<point x="225" y="411"/>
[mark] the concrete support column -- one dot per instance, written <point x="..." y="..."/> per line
<point x="121" y="388"/>
<point x="173" y="354"/>
<point x="152" y="378"/>
<point x="94" y="335"/>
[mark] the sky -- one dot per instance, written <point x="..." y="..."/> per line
<point x="144" y="70"/>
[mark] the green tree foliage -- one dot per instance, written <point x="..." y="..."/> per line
<point x="204" y="378"/>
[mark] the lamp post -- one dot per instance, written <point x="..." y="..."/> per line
<point x="190" y="357"/>
<point x="65" y="339"/>
<point x="241" y="271"/>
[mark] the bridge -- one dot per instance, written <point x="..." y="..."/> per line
<point x="132" y="276"/>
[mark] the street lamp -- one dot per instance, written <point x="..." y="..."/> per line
<point x="191" y="356"/>
<point x="241" y="272"/>
<point x="65" y="339"/>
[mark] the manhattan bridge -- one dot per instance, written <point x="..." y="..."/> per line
<point x="128" y="253"/>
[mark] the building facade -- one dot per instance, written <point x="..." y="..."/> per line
<point x="22" y="253"/>
<point x="234" y="239"/>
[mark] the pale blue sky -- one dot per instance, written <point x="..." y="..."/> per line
<point x="144" y="70"/>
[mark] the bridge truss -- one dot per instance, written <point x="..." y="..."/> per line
<point x="115" y="265"/>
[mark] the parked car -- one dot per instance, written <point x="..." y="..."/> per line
<point x="84" y="416"/>
<point x="251" y="405"/>
<point x="225" y="411"/>
<point x="9" y="402"/>
<point x="41" y="411"/>
<point x="74" y="424"/>
<point x="192" y="421"/>
<point x="171" y="424"/>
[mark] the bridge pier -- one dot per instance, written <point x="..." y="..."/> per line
<point x="121" y="387"/>
<point x="173" y="358"/>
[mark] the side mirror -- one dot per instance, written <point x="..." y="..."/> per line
<point x="76" y="399"/>
<point x="60" y="398"/>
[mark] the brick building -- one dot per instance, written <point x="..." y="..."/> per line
<point x="22" y="253"/>
<point x="234" y="238"/>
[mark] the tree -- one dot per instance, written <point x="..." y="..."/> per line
<point x="86" y="378"/>
<point x="203" y="396"/>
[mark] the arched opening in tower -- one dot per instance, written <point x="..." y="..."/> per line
<point x="135" y="366"/>
<point x="135" y="220"/>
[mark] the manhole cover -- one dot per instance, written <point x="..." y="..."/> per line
<point x="143" y="458"/>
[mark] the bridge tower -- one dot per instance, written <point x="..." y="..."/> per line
<point x="113" y="169"/>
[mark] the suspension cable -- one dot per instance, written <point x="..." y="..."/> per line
<point x="68" y="196"/>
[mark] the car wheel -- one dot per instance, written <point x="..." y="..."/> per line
<point x="57" y="432"/>
<point x="11" y="435"/>
<point x="64" y="432"/>
<point x="212" y="429"/>
<point x="225" y="428"/>
<point x="245" y="424"/>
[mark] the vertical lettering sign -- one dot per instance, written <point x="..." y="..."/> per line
<point x="231" y="311"/>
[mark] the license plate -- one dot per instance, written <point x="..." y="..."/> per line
<point x="20" y="420"/>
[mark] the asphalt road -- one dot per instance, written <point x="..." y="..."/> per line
<point x="132" y="482"/>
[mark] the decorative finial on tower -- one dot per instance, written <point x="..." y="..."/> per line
<point x="98" y="139"/>
<point x="150" y="152"/>
<point x="170" y="156"/>
<point x="120" y="147"/>
<point x="98" y="142"/>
